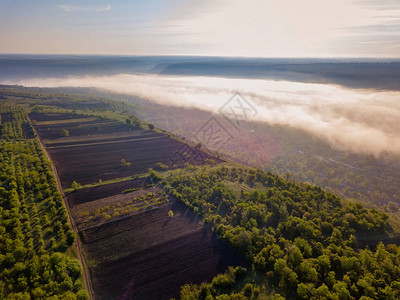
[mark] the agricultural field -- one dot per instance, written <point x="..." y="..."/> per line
<point x="89" y="149"/>
<point x="151" y="255"/>
<point x="128" y="226"/>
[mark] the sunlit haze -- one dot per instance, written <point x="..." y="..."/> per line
<point x="362" y="121"/>
<point x="262" y="28"/>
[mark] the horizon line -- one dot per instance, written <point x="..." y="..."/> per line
<point x="201" y="55"/>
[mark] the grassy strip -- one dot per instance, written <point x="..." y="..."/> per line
<point x="100" y="182"/>
<point x="66" y="121"/>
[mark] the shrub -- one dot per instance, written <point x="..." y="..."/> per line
<point x="76" y="186"/>
<point x="64" y="132"/>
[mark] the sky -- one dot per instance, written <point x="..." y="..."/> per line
<point x="254" y="28"/>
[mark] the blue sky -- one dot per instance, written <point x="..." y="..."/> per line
<point x="264" y="28"/>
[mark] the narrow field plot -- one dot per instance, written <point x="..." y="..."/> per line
<point x="90" y="194"/>
<point x="49" y="126"/>
<point x="94" y="127"/>
<point x="151" y="255"/>
<point x="93" y="214"/>
<point x="43" y="117"/>
<point x="102" y="139"/>
<point x="69" y="121"/>
<point x="75" y="140"/>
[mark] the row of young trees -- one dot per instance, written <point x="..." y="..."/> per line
<point x="34" y="228"/>
<point x="302" y="242"/>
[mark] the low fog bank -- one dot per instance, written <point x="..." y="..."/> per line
<point x="358" y="120"/>
<point x="353" y="73"/>
<point x="377" y="73"/>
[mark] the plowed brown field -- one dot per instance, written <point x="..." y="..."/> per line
<point x="142" y="255"/>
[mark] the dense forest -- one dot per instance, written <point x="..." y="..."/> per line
<point x="302" y="241"/>
<point x="35" y="233"/>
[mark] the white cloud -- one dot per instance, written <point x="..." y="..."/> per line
<point x="73" y="8"/>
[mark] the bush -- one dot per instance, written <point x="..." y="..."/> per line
<point x="76" y="186"/>
<point x="64" y="132"/>
<point x="82" y="295"/>
<point x="70" y="237"/>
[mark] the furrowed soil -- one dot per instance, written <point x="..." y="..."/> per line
<point x="151" y="255"/>
<point x="140" y="252"/>
<point x="90" y="194"/>
<point x="44" y="117"/>
<point x="94" y="150"/>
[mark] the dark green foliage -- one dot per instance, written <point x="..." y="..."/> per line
<point x="154" y="176"/>
<point x="30" y="205"/>
<point x="129" y="190"/>
<point x="221" y="285"/>
<point x="299" y="237"/>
